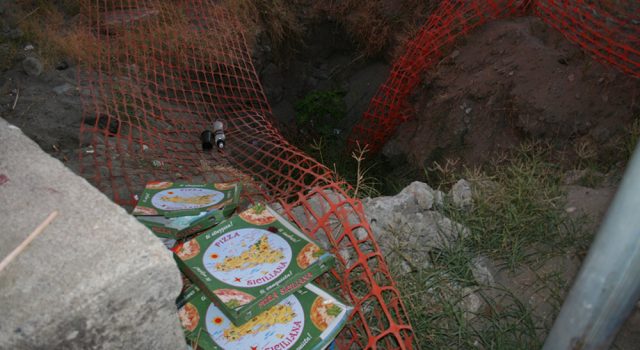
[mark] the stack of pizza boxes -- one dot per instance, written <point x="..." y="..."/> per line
<point x="175" y="211"/>
<point x="247" y="277"/>
<point x="251" y="288"/>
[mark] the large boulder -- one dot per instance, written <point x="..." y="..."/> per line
<point x="94" y="279"/>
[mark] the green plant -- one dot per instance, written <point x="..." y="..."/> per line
<point x="438" y="306"/>
<point x="320" y="112"/>
<point x="518" y="206"/>
<point x="354" y="169"/>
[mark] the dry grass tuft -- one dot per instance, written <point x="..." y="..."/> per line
<point x="378" y="25"/>
<point x="277" y="18"/>
<point x="54" y="28"/>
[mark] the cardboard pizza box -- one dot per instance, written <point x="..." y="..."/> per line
<point x="178" y="210"/>
<point x="310" y="318"/>
<point x="251" y="261"/>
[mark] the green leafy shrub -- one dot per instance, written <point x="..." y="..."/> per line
<point x="320" y="112"/>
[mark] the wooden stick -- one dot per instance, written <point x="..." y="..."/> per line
<point x="19" y="249"/>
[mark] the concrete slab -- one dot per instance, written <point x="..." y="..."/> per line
<point x="95" y="278"/>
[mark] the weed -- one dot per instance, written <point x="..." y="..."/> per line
<point x="518" y="204"/>
<point x="377" y="24"/>
<point x="365" y="185"/>
<point x="320" y="112"/>
<point x="354" y="169"/>
<point x="440" y="313"/>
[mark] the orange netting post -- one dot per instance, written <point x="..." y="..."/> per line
<point x="156" y="74"/>
<point x="610" y="33"/>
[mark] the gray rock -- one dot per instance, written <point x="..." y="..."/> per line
<point x="94" y="279"/>
<point x="470" y="303"/>
<point x="416" y="197"/>
<point x="461" y="194"/>
<point x="484" y="271"/>
<point x="406" y="226"/>
<point x="32" y="66"/>
<point x="62" y="89"/>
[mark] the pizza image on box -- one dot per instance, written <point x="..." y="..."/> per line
<point x="225" y="185"/>
<point x="267" y="262"/>
<point x="323" y="312"/>
<point x="188" y="250"/>
<point x="258" y="215"/>
<point x="233" y="298"/>
<point x="140" y="210"/>
<point x="308" y="255"/>
<point x="287" y="325"/>
<point x="189" y="317"/>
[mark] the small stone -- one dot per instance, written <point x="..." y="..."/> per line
<point x="570" y="210"/>
<point x="32" y="66"/>
<point x="471" y="303"/>
<point x="461" y="194"/>
<point x="571" y="77"/>
<point x="28" y="47"/>
<point x="454" y="54"/>
<point x="72" y="335"/>
<point x="483" y="271"/>
<point x="61" y="89"/>
<point x="468" y="110"/>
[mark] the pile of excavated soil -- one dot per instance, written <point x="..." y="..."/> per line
<point x="514" y="80"/>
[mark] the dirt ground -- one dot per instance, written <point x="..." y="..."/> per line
<point x="47" y="108"/>
<point x="513" y="80"/>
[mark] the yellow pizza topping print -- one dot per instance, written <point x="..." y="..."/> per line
<point x="259" y="253"/>
<point x="279" y="314"/>
<point x="195" y="200"/>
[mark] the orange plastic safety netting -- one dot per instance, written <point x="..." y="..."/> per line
<point x="607" y="30"/>
<point x="155" y="75"/>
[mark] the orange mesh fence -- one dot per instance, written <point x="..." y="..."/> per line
<point x="607" y="30"/>
<point x="156" y="74"/>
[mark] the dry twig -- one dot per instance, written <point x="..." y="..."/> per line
<point x="20" y="248"/>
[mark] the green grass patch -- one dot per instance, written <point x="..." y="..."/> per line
<point x="519" y="209"/>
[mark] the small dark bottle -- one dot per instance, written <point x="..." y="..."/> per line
<point x="206" y="138"/>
